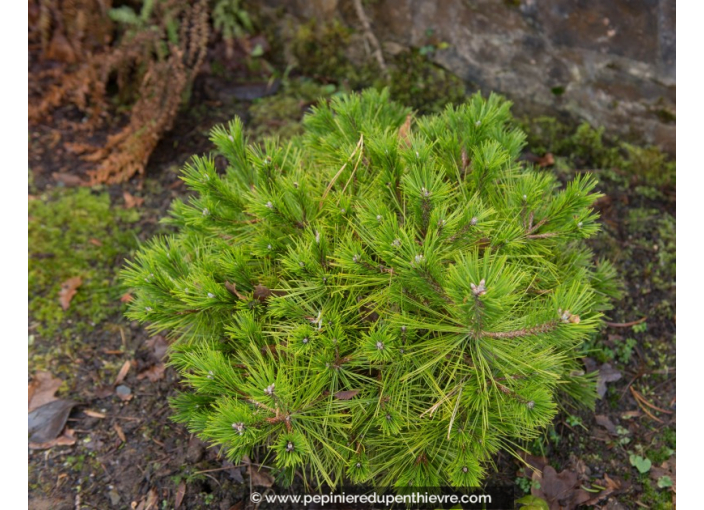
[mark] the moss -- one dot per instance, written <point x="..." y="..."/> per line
<point x="75" y="232"/>
<point x="322" y="51"/>
<point x="419" y="83"/>
<point x="588" y="147"/>
<point x="280" y="115"/>
<point x="655" y="498"/>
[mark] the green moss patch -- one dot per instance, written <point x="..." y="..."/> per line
<point x="76" y="233"/>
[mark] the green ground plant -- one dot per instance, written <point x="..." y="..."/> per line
<point x="76" y="233"/>
<point x="384" y="299"/>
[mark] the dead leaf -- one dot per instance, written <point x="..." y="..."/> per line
<point x="47" y="422"/>
<point x="611" y="486"/>
<point x="151" y="501"/>
<point x="153" y="373"/>
<point x="68" y="290"/>
<point x="560" y="490"/>
<point x="123" y="372"/>
<point x="68" y="180"/>
<point x="607" y="374"/>
<point x="126" y="298"/>
<point x="93" y="414"/>
<point x="606" y="422"/>
<point x="257" y="476"/>
<point x="95" y="242"/>
<point x="66" y="439"/>
<point x="263" y="293"/>
<point x="404" y="132"/>
<point x="120" y="432"/>
<point x="547" y="160"/>
<point x="159" y="346"/>
<point x="180" y="493"/>
<point x="41" y="390"/>
<point x="346" y="395"/>
<point x="131" y="201"/>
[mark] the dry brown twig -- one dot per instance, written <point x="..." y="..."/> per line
<point x="366" y="25"/>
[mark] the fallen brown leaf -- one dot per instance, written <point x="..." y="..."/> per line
<point x="45" y="423"/>
<point x="68" y="290"/>
<point x="131" y="201"/>
<point x="120" y="433"/>
<point x="68" y="180"/>
<point x="41" y="390"/>
<point x="560" y="490"/>
<point x="150" y="503"/>
<point x="66" y="439"/>
<point x="93" y="414"/>
<point x="547" y="160"/>
<point x="404" y="132"/>
<point x="95" y="242"/>
<point x="258" y="477"/>
<point x="606" y="422"/>
<point x="153" y="373"/>
<point x="180" y="493"/>
<point x="123" y="372"/>
<point x="159" y="346"/>
<point x="607" y="374"/>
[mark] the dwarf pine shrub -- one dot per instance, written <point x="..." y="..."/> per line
<point x="384" y="299"/>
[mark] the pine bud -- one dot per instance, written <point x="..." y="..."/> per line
<point x="269" y="390"/>
<point x="478" y="290"/>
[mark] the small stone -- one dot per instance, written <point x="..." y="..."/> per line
<point x="123" y="392"/>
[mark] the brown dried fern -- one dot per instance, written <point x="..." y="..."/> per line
<point x="159" y="90"/>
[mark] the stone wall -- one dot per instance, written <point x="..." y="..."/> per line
<point x="609" y="62"/>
